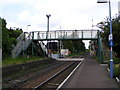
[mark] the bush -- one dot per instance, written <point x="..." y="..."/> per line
<point x="116" y="71"/>
<point x="116" y="66"/>
<point x="116" y="60"/>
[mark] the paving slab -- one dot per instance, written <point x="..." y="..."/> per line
<point x="91" y="75"/>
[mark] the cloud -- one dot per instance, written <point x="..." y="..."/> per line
<point x="10" y="1"/>
<point x="68" y="14"/>
<point x="65" y="14"/>
<point x="24" y="16"/>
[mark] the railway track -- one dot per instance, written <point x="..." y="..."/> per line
<point x="50" y="76"/>
<point x="14" y="82"/>
<point x="58" y="79"/>
<point x="39" y="77"/>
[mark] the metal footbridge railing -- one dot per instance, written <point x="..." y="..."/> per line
<point x="65" y="35"/>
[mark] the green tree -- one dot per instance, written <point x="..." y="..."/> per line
<point x="67" y="44"/>
<point x="15" y="32"/>
<point x="105" y="26"/>
<point x="78" y="45"/>
<point x="75" y="46"/>
<point x="8" y="38"/>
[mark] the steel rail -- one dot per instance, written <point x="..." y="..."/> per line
<point x="54" y="76"/>
<point x="56" y="64"/>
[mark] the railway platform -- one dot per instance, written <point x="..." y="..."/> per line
<point x="90" y="74"/>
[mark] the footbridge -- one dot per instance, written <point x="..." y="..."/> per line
<point x="65" y="35"/>
<point x="28" y="38"/>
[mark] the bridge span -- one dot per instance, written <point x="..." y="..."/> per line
<point x="32" y="38"/>
<point x="65" y="35"/>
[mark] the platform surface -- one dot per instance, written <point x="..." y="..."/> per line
<point x="91" y="75"/>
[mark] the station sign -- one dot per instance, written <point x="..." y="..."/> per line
<point x="110" y="37"/>
<point x="111" y="43"/>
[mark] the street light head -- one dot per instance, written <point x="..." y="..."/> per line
<point x="102" y="1"/>
<point x="48" y="15"/>
<point x="28" y="25"/>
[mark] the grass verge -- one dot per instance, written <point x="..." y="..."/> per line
<point x="19" y="60"/>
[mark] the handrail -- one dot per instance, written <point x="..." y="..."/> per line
<point x="21" y="36"/>
<point x="68" y="30"/>
<point x="65" y="34"/>
<point x="22" y="44"/>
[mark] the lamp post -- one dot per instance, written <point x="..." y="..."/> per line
<point x="110" y="36"/>
<point x="28" y="26"/>
<point x="48" y="16"/>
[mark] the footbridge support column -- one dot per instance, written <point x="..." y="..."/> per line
<point x="100" y="51"/>
<point x="32" y="43"/>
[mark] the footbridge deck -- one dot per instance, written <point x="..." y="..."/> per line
<point x="65" y="35"/>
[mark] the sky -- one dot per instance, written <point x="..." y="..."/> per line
<point x="65" y="14"/>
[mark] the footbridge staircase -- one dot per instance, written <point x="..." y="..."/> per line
<point x="23" y="42"/>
